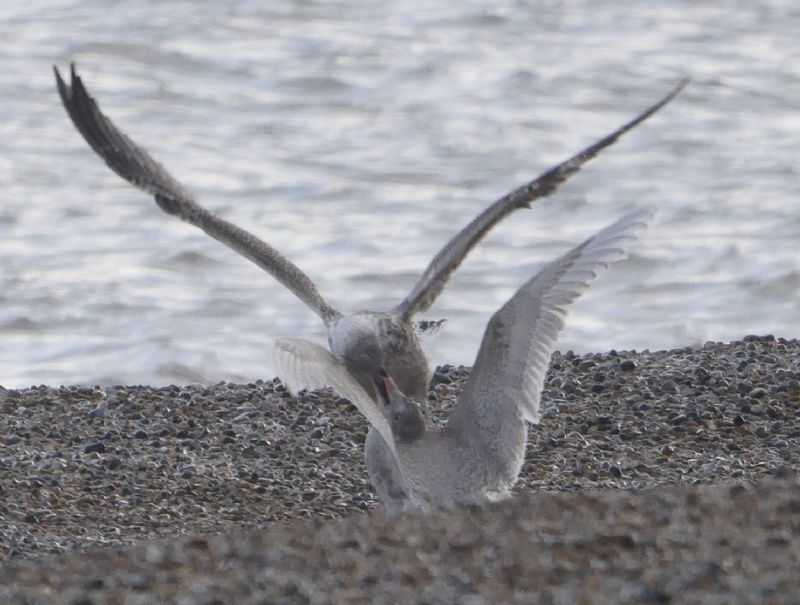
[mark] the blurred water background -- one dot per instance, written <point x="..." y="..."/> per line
<point x="357" y="137"/>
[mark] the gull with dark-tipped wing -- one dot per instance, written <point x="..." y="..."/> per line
<point x="363" y="340"/>
<point x="478" y="454"/>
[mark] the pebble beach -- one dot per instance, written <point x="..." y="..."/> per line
<point x="654" y="477"/>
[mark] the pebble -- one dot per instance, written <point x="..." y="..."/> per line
<point x="668" y="387"/>
<point x="441" y="378"/>
<point x="98" y="446"/>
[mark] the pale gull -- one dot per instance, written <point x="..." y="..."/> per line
<point x="363" y="340"/>
<point x="478" y="454"/>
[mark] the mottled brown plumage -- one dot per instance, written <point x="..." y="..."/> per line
<point x="391" y="332"/>
<point x="478" y="455"/>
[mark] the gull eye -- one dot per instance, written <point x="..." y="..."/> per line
<point x="397" y="416"/>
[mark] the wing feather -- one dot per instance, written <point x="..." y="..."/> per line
<point x="448" y="259"/>
<point x="135" y="165"/>
<point x="508" y="376"/>
<point x="304" y="363"/>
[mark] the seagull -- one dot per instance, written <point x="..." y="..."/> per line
<point x="477" y="456"/>
<point x="364" y="340"/>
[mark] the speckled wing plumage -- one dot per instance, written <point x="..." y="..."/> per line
<point x="133" y="164"/>
<point x="508" y="375"/>
<point x="310" y="365"/>
<point x="435" y="277"/>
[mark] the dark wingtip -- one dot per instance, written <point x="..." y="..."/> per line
<point x="682" y="83"/>
<point x="64" y="91"/>
<point x="59" y="79"/>
<point x="666" y="99"/>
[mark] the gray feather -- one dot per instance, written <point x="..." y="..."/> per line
<point x="135" y="165"/>
<point x="508" y="375"/>
<point x="310" y="364"/>
<point x="435" y="277"/>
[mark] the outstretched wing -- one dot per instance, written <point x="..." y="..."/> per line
<point x="135" y="165"/>
<point x="312" y="366"/>
<point x="450" y="257"/>
<point x="506" y="381"/>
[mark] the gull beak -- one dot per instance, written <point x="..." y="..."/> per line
<point x="389" y="385"/>
<point x="382" y="384"/>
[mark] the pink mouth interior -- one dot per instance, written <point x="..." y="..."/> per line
<point x="383" y="390"/>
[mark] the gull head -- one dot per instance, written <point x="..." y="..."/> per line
<point x="405" y="415"/>
<point x="354" y="340"/>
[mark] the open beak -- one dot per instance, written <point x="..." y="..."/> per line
<point x="385" y="385"/>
